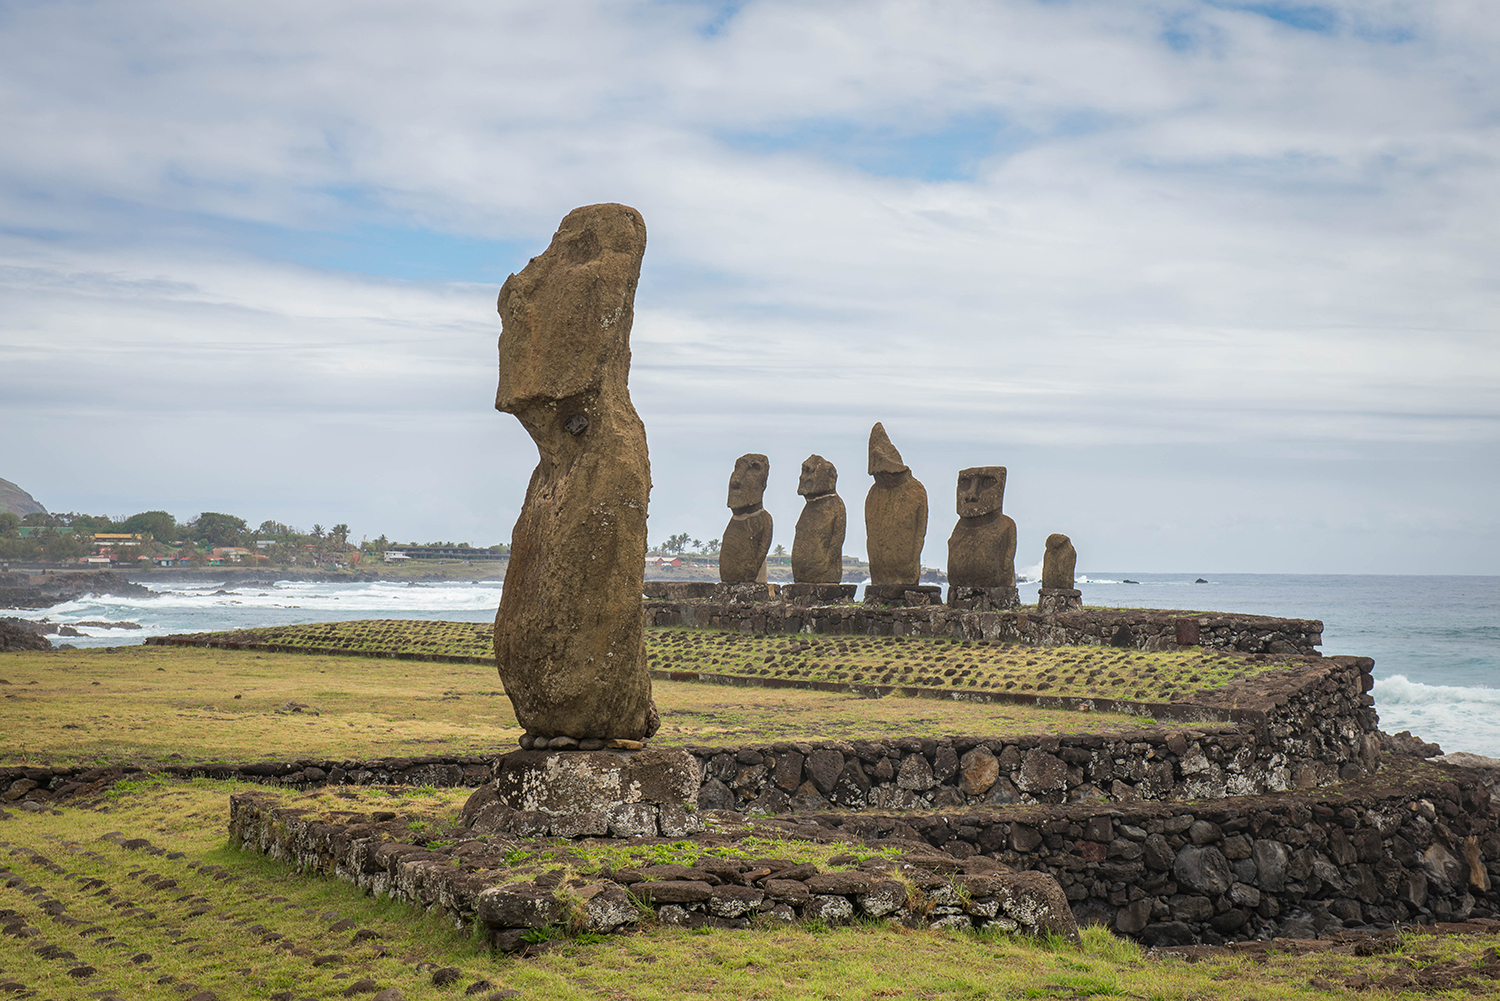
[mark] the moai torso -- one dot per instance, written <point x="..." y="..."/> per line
<point x="982" y="548"/>
<point x="569" y="642"/>
<point x="747" y="537"/>
<point x="1059" y="563"/>
<point x="818" y="546"/>
<point x="895" y="515"/>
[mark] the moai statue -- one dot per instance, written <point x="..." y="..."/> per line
<point x="818" y="546"/>
<point x="1057" y="593"/>
<point x="569" y="643"/>
<point x="1058" y="563"/>
<point x="982" y="548"/>
<point x="747" y="539"/>
<point x="895" y="515"/>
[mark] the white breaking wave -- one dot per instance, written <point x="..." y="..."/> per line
<point x="182" y="607"/>
<point x="1457" y="717"/>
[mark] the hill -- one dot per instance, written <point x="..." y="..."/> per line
<point x="18" y="501"/>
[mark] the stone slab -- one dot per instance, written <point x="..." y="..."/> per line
<point x="568" y="783"/>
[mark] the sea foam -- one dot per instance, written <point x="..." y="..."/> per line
<point x="1459" y="718"/>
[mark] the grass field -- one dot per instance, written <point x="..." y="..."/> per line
<point x="85" y="916"/>
<point x="1088" y="671"/>
<point x="143" y="704"/>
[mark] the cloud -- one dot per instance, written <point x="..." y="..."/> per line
<point x="1017" y="232"/>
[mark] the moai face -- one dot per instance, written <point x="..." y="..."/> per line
<point x="818" y="477"/>
<point x="747" y="487"/>
<point x="981" y="491"/>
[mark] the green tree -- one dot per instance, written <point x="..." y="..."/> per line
<point x="340" y="534"/>
<point x="713" y="547"/>
<point x="160" y="525"/>
<point x="217" y="529"/>
<point x="675" y="543"/>
<point x="317" y="532"/>
<point x="57" y="546"/>
<point x="10" y="525"/>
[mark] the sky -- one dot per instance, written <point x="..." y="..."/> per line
<point x="1217" y="282"/>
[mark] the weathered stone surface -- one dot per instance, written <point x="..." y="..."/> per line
<point x="791" y="890"/>
<point x="674" y="891"/>
<point x="568" y="783"/>
<point x="1271" y="859"/>
<point x="1050" y="601"/>
<point x="823" y="768"/>
<point x="516" y="906"/>
<point x="885" y="896"/>
<point x="1042" y="772"/>
<point x="915" y="774"/>
<point x="978" y="770"/>
<point x="568" y="636"/>
<point x="829" y="909"/>
<point x="818" y="545"/>
<point x="1203" y="869"/>
<point x="747" y="538"/>
<point x="1158" y="853"/>
<point x="1036" y="902"/>
<point x="733" y="901"/>
<point x="848" y="883"/>
<point x="895" y="515"/>
<point x="609" y="909"/>
<point x="1058" y="563"/>
<point x="982" y="548"/>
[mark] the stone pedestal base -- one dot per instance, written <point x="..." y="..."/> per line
<point x="678" y="590"/>
<point x="983" y="599"/>
<point x="817" y="594"/>
<point x="744" y="594"/>
<point x="1051" y="600"/>
<point x="903" y="595"/>
<point x="574" y="794"/>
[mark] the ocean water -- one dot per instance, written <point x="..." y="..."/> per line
<point x="1435" y="640"/>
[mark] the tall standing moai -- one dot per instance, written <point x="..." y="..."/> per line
<point x="982" y="548"/>
<point x="569" y="640"/>
<point x="1059" y="562"/>
<point x="747" y="538"/>
<point x="818" y="546"/>
<point x="895" y="523"/>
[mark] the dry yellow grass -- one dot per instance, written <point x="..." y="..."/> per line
<point x="196" y="704"/>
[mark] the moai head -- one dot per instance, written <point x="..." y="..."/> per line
<point x="1057" y="542"/>
<point x="589" y="269"/>
<point x="747" y="487"/>
<point x="981" y="490"/>
<point x="818" y="477"/>
<point x="885" y="461"/>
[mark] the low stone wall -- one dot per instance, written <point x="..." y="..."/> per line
<point x="1144" y="629"/>
<point x="466" y="882"/>
<point x="20" y="784"/>
<point x="1418" y="843"/>
<point x="1307" y="726"/>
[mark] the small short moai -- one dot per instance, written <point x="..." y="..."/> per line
<point x="569" y="640"/>
<point x="895" y="525"/>
<point x="818" y="546"/>
<point x="982" y="548"/>
<point x="1057" y="593"/>
<point x="747" y="538"/>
